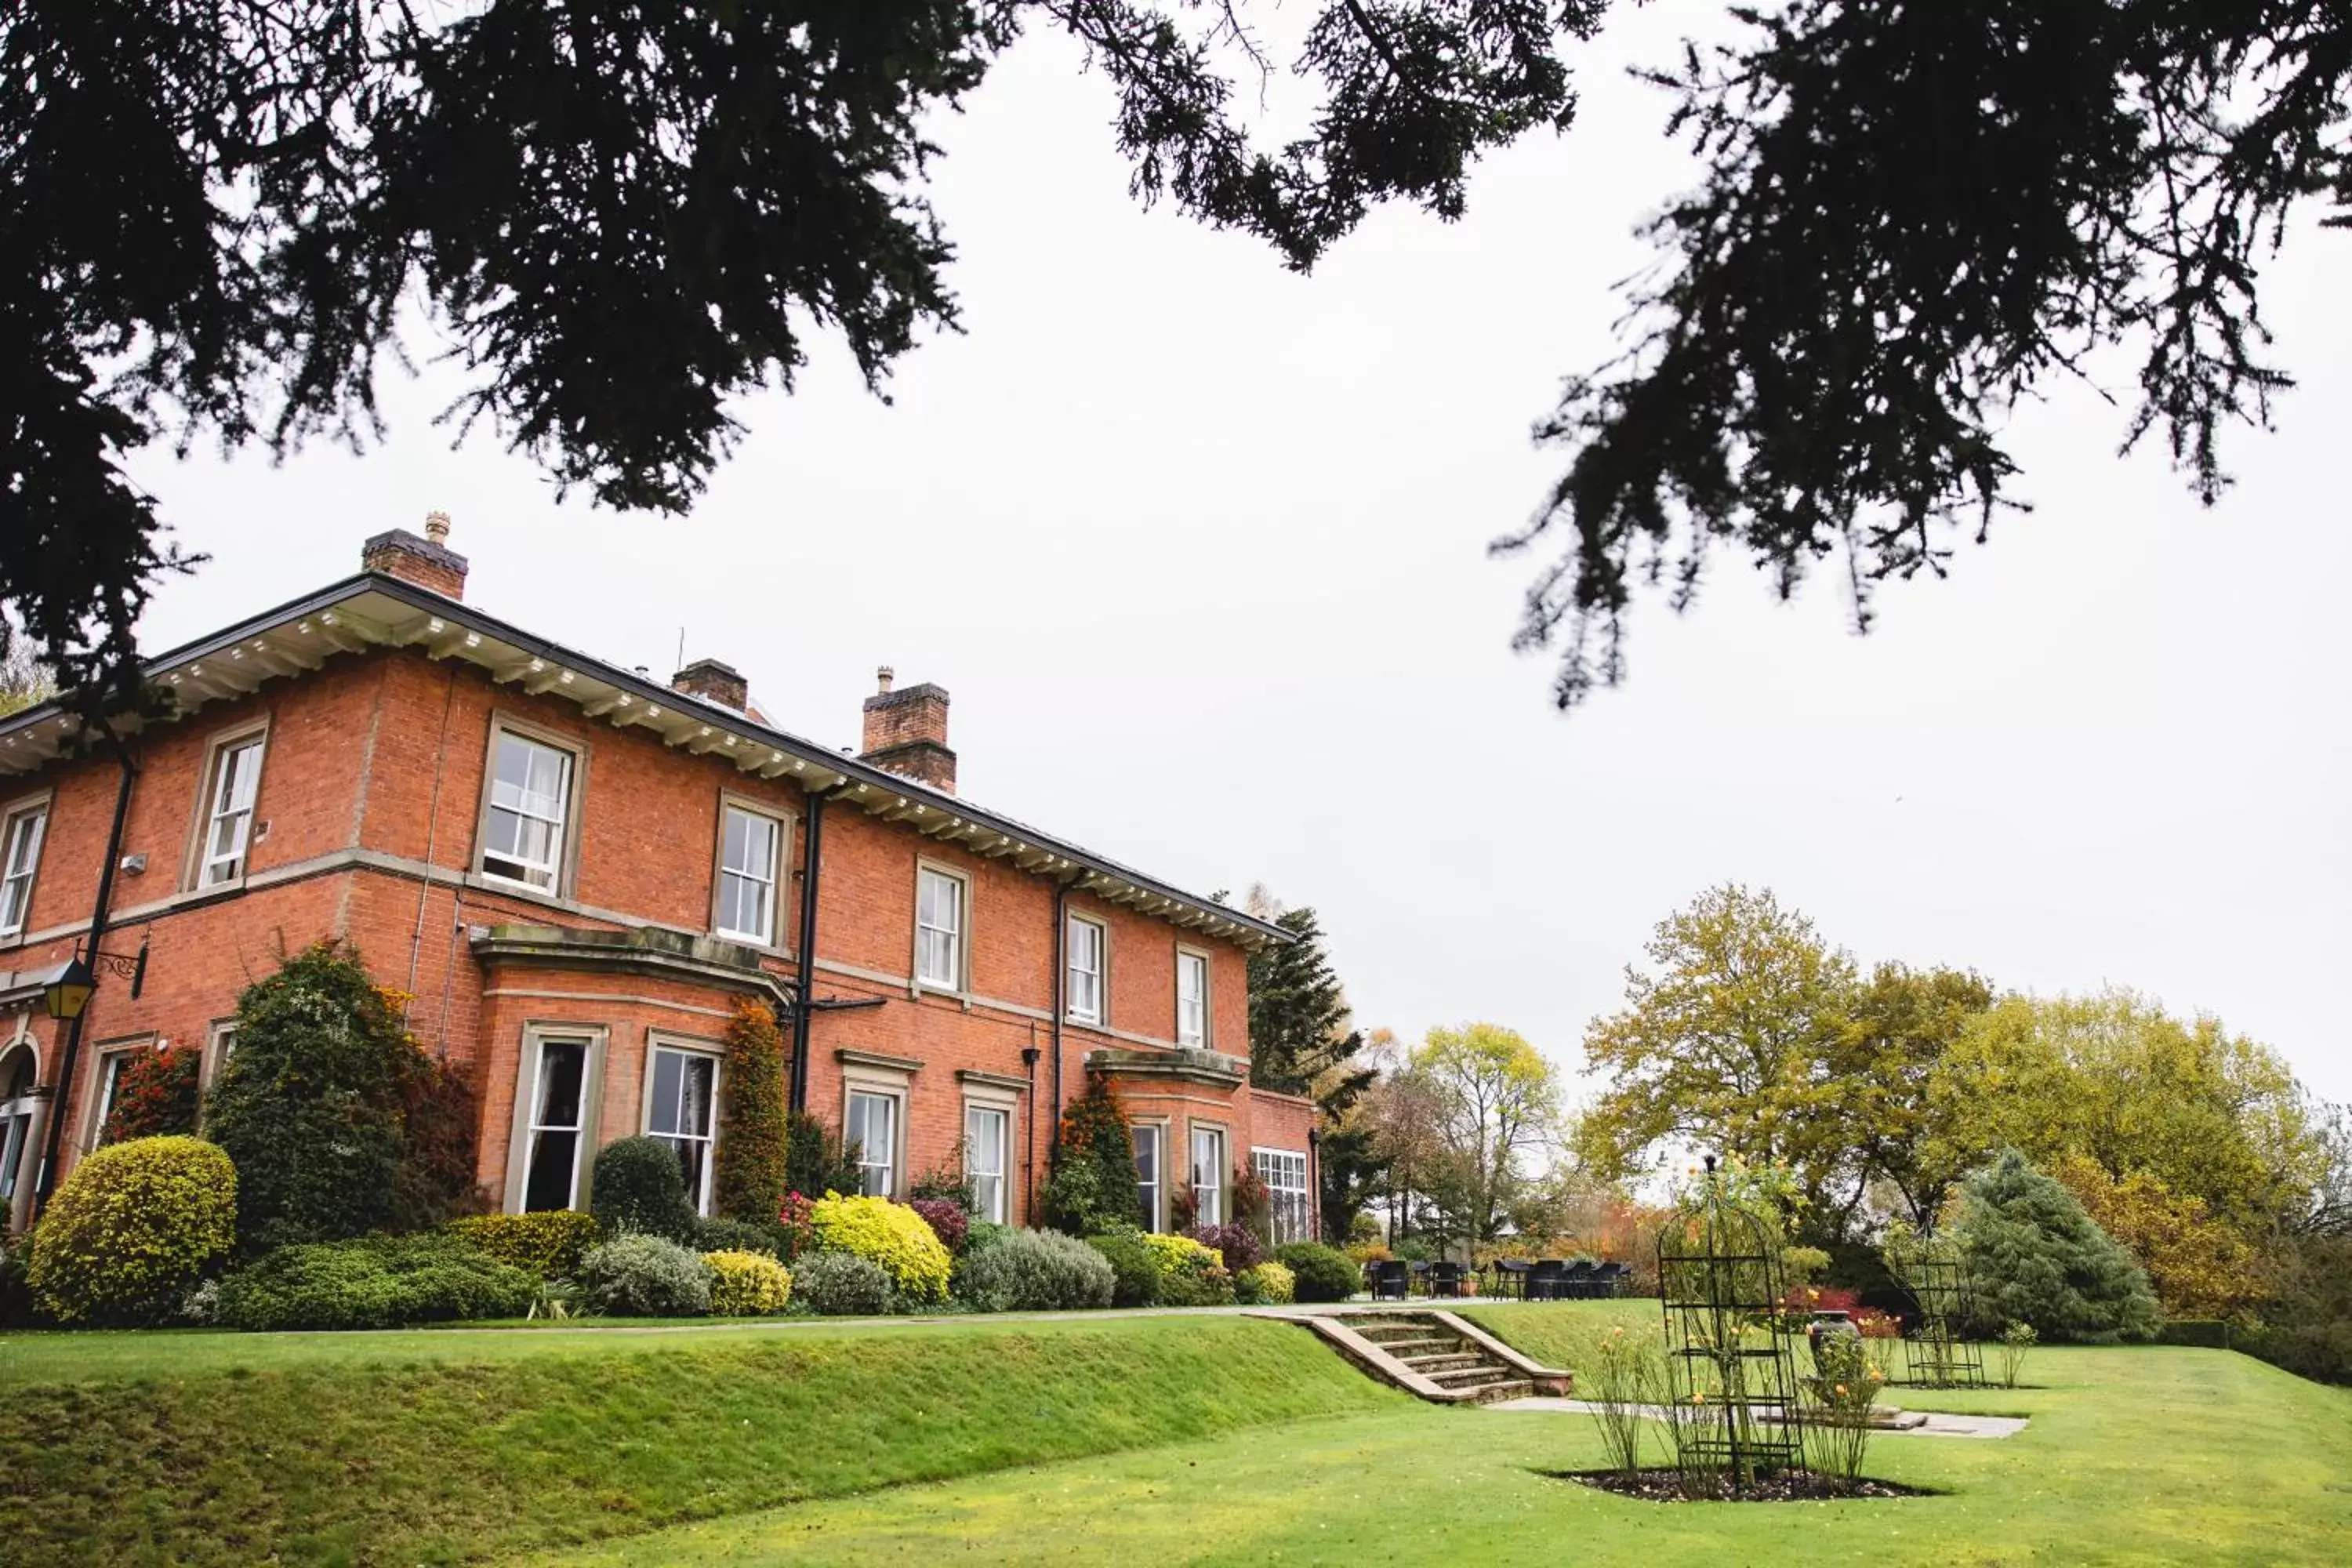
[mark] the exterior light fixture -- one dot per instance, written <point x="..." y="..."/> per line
<point x="68" y="994"/>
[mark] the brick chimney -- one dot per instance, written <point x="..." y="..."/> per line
<point x="906" y="732"/>
<point x="713" y="682"/>
<point x="428" y="563"/>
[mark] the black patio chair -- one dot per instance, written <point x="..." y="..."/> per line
<point x="1609" y="1279"/>
<point x="1511" y="1278"/>
<point x="1543" y="1279"/>
<point x="1392" y="1280"/>
<point x="1576" y="1280"/>
<point x="1443" y="1279"/>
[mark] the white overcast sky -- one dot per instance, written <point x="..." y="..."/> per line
<point x="1198" y="545"/>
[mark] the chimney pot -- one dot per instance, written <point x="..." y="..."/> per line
<point x="437" y="527"/>
<point x="906" y="732"/>
<point x="885" y="676"/>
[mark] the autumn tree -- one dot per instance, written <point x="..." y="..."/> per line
<point x="1725" y="1042"/>
<point x="1496" y="1106"/>
<point x="1898" y="1027"/>
<point x="2113" y="1078"/>
<point x="2198" y="1266"/>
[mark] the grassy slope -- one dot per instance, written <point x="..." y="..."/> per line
<point x="1563" y="1333"/>
<point x="436" y="1447"/>
<point x="2137" y="1456"/>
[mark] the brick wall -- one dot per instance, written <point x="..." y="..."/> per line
<point x="367" y="815"/>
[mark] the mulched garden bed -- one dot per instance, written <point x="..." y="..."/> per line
<point x="1665" y="1485"/>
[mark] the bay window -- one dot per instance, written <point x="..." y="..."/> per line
<point x="1208" y="1175"/>
<point x="1149" y="1161"/>
<point x="557" y="1122"/>
<point x="681" y="1099"/>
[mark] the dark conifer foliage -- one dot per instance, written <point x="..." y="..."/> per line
<point x="624" y="217"/>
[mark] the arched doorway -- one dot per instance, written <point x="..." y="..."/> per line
<point x="20" y="1103"/>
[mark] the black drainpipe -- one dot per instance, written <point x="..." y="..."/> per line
<point x="1029" y="1131"/>
<point x="63" y="1094"/>
<point x="803" y="1005"/>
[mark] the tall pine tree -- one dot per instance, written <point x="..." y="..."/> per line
<point x="1300" y="1042"/>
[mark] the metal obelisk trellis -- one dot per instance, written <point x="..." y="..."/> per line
<point x="1937" y="1353"/>
<point x="1730" y="1369"/>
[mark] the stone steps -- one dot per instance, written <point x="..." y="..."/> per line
<point x="1440" y="1357"/>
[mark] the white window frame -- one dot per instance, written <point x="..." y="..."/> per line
<point x="1097" y="1011"/>
<point x="24" y="830"/>
<point x="892" y="1165"/>
<point x="1221" y="1166"/>
<point x="780" y="829"/>
<point x="996" y="1209"/>
<point x="105" y="1080"/>
<point x="1155" y="1199"/>
<point x="214" y="867"/>
<point x="575" y="784"/>
<point x="1198" y="1036"/>
<point x="521" y="1147"/>
<point x="1282" y="1197"/>
<point x="220" y="1044"/>
<point x="959" y="937"/>
<point x="656" y="1046"/>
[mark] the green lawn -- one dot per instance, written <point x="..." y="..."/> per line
<point x="2134" y="1456"/>
<point x="438" y="1447"/>
<point x="1197" y="1438"/>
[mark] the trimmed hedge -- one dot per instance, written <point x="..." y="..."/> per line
<point x="547" y="1245"/>
<point x="1319" y="1273"/>
<point x="636" y="1186"/>
<point x="375" y="1282"/>
<point x="892" y="1236"/>
<point x="132" y="1229"/>
<point x="748" y="1167"/>
<point x="746" y="1284"/>
<point x="2205" y="1334"/>
<point x="637" y="1274"/>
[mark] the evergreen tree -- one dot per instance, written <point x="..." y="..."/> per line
<point x="1300" y="1042"/>
<point x="1093" y="1186"/>
<point x="748" y="1178"/>
<point x="310" y="1106"/>
<point x="2038" y="1258"/>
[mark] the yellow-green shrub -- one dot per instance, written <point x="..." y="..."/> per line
<point x="746" y="1284"/>
<point x="891" y="1235"/>
<point x="547" y="1243"/>
<point x="1266" y="1285"/>
<point x="132" y="1229"/>
<point x="1192" y="1275"/>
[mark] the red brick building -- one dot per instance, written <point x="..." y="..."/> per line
<point x="577" y="872"/>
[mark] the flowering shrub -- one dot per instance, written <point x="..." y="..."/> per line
<point x="947" y="1219"/>
<point x="1236" y="1245"/>
<point x="797" y="1230"/>
<point x="1191" y="1275"/>
<point x="548" y="1244"/>
<point x="635" y="1275"/>
<point x="155" y="1095"/>
<point x="1036" y="1272"/>
<point x="131" y="1229"/>
<point x="841" y="1285"/>
<point x="1265" y="1285"/>
<point x="746" y="1284"/>
<point x="1842" y="1390"/>
<point x="890" y="1236"/>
